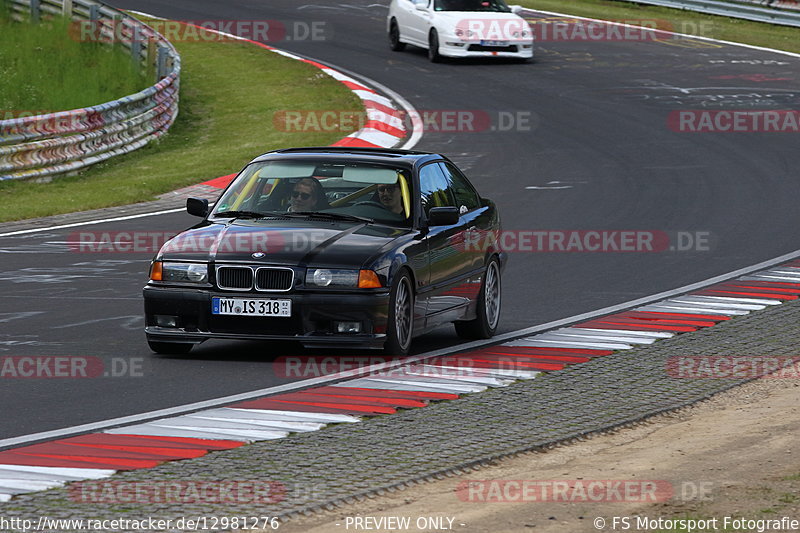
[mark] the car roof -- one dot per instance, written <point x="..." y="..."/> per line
<point x="377" y="155"/>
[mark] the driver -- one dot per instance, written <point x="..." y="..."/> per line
<point x="391" y="198"/>
<point x="307" y="195"/>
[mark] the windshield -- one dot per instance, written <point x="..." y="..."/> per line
<point x="332" y="189"/>
<point x="471" y="5"/>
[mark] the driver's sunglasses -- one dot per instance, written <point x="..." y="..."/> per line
<point x="303" y="195"/>
<point x="386" y="188"/>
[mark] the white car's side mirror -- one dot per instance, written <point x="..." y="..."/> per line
<point x="421" y="6"/>
<point x="515" y="9"/>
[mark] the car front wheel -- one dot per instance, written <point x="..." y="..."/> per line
<point x="485" y="324"/>
<point x="401" y="316"/>
<point x="394" y="38"/>
<point x="433" y="47"/>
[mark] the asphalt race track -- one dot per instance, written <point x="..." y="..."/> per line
<point x="596" y="153"/>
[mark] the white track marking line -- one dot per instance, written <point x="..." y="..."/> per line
<point x="92" y="222"/>
<point x="686" y="308"/>
<point x="553" y="340"/>
<point x="579" y="333"/>
<point x="304" y="416"/>
<point x="501" y="373"/>
<point x="651" y="333"/>
<point x="154" y="431"/>
<point x="60" y="471"/>
<point x="300" y="427"/>
<point x="29" y="485"/>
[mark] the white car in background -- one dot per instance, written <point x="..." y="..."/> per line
<point x="459" y="28"/>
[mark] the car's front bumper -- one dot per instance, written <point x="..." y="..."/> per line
<point x="456" y="48"/>
<point x="312" y="322"/>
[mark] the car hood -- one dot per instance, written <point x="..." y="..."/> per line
<point x="491" y="25"/>
<point x="299" y="242"/>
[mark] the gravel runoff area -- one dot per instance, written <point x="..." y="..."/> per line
<point x="344" y="463"/>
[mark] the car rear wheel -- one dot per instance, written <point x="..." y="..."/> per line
<point x="485" y="324"/>
<point x="170" y="348"/>
<point x="394" y="38"/>
<point x="433" y="47"/>
<point x="400" y="329"/>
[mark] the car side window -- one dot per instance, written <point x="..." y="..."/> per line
<point x="434" y="188"/>
<point x="466" y="197"/>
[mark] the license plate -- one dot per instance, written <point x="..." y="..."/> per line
<point x="251" y="307"/>
<point x="494" y="43"/>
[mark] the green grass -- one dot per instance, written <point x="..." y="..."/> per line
<point x="723" y="28"/>
<point x="43" y="68"/>
<point x="229" y="94"/>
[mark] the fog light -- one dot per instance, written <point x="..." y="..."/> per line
<point x="348" y="327"/>
<point x="167" y="321"/>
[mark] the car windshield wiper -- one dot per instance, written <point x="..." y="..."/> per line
<point x="333" y="216"/>
<point x="248" y="214"/>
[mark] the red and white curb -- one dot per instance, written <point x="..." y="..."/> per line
<point x="443" y="377"/>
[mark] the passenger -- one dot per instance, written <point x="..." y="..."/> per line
<point x="308" y="195"/>
<point x="391" y="198"/>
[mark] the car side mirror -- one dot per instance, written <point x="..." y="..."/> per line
<point x="197" y="207"/>
<point x="443" y="216"/>
<point x="421" y="6"/>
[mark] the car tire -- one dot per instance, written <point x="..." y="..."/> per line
<point x="433" y="47"/>
<point x="394" y="38"/>
<point x="485" y="323"/>
<point x="400" y="327"/>
<point x="170" y="348"/>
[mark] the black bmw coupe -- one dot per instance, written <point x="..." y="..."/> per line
<point x="331" y="247"/>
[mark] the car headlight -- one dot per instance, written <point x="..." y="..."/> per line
<point x="179" y="272"/>
<point x="326" y="277"/>
<point x="336" y="278"/>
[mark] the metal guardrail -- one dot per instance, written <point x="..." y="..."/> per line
<point x="63" y="142"/>
<point x="775" y="4"/>
<point x="743" y="9"/>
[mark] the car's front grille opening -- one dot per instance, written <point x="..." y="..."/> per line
<point x="274" y="279"/>
<point x="235" y="278"/>
<point x="486" y="48"/>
